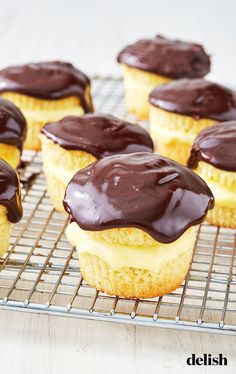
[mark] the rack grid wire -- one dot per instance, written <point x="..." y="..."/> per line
<point x="40" y="272"/>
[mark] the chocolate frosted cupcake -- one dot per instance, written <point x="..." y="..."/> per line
<point x="75" y="142"/>
<point x="12" y="132"/>
<point x="213" y="157"/>
<point x="181" y="109"/>
<point x="10" y="203"/>
<point x="45" y="91"/>
<point x="132" y="225"/>
<point x="152" y="62"/>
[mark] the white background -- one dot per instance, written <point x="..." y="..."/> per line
<point x="91" y="32"/>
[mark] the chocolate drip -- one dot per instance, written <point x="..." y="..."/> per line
<point x="198" y="98"/>
<point x="215" y="145"/>
<point x="47" y="80"/>
<point x="12" y="125"/>
<point x="142" y="190"/>
<point x="27" y="182"/>
<point x="10" y="196"/>
<point x="170" y="58"/>
<point x="101" y="135"/>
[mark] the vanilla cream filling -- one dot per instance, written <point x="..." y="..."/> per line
<point x="45" y="115"/>
<point x="151" y="258"/>
<point x="223" y="196"/>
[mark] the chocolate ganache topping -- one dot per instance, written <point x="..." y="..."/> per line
<point x="215" y="145"/>
<point x="10" y="196"/>
<point x="170" y="58"/>
<point x="198" y="98"/>
<point x="12" y="125"/>
<point x="142" y="190"/>
<point x="47" y="80"/>
<point x="101" y="135"/>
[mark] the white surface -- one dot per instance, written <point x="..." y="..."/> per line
<point x="91" y="32"/>
<point x="33" y="344"/>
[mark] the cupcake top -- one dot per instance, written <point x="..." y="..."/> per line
<point x="101" y="135"/>
<point x="215" y="145"/>
<point x="198" y="98"/>
<point x="141" y="190"/>
<point x="10" y="196"/>
<point x="50" y="80"/>
<point x="170" y="58"/>
<point x="12" y="125"/>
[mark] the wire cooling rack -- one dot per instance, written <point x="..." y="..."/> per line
<point x="40" y="272"/>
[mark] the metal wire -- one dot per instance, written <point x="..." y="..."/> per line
<point x="40" y="272"/>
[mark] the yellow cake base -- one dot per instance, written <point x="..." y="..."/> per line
<point x="224" y="178"/>
<point x="175" y="150"/>
<point x="113" y="261"/>
<point x="38" y="112"/>
<point x="173" y="134"/>
<point x="223" y="186"/>
<point x="221" y="216"/>
<point x="56" y="189"/>
<point x="5" y="230"/>
<point x="138" y="85"/>
<point x="131" y="282"/>
<point x="59" y="166"/>
<point x="11" y="154"/>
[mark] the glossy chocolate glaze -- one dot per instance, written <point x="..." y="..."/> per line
<point x="12" y="125"/>
<point x="215" y="145"/>
<point x="10" y="196"/>
<point x="101" y="135"/>
<point x="170" y="58"/>
<point x="46" y="80"/>
<point x="142" y="190"/>
<point x="198" y="98"/>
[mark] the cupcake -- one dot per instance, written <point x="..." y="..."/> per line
<point x="213" y="157"/>
<point x="44" y="92"/>
<point x="12" y="132"/>
<point x="10" y="203"/>
<point x="133" y="221"/>
<point x="181" y="109"/>
<point x="75" y="142"/>
<point x="152" y="62"/>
